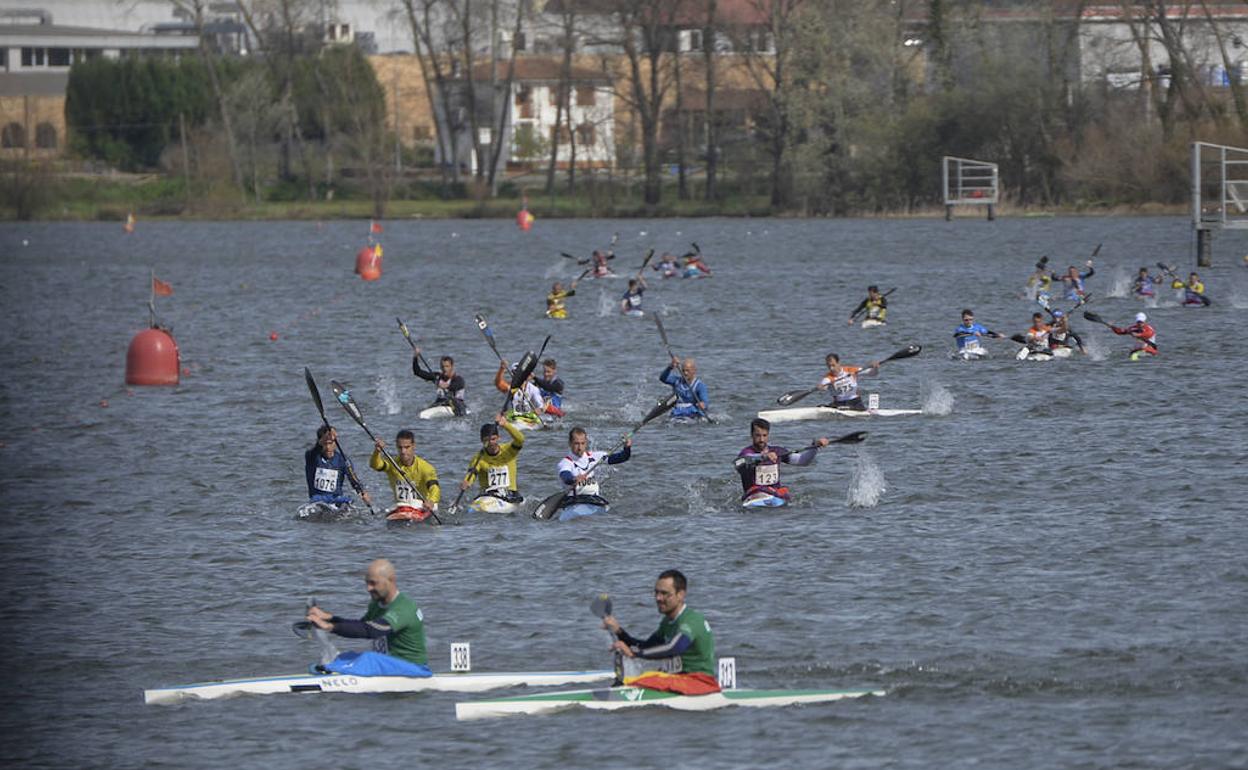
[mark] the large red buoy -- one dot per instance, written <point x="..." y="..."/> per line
<point x="368" y="262"/>
<point x="524" y="220"/>
<point x="152" y="359"/>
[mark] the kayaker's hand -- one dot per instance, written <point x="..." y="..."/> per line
<point x="611" y="624"/>
<point x="628" y="442"/>
<point x="582" y="478"/>
<point x="368" y="499"/>
<point x="316" y="613"/>
<point x="500" y="419"/>
<point x="623" y="649"/>
<point x="379" y="444"/>
<point x="770" y="456"/>
<point x="850" y="322"/>
<point x="463" y="485"/>
<point x="823" y="441"/>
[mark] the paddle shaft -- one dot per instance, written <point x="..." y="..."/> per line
<point x="408" y="336"/>
<point x="489" y="335"/>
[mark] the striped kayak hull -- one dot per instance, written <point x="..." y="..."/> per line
<point x="340" y="683"/>
<point x="616" y="698"/>
<point x="436" y="412"/>
<point x="494" y="504"/>
<point x="873" y="323"/>
<point x="763" y="500"/>
<point x="796" y="413"/>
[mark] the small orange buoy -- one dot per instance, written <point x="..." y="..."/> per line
<point x="103" y="403"/>
<point x="152" y="359"/>
<point x="524" y="220"/>
<point x="368" y="262"/>
<point x="273" y="336"/>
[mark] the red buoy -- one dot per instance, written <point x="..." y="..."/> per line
<point x="368" y="262"/>
<point x="524" y="220"/>
<point x="152" y="359"/>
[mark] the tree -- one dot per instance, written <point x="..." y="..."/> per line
<point x="645" y="27"/>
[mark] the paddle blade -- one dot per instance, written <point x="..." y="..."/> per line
<point x="697" y="248"/>
<point x="1020" y="339"/>
<point x="646" y="261"/>
<point x="546" y="509"/>
<point x="906" y="352"/>
<point x="348" y="403"/>
<point x="851" y="438"/>
<point x="316" y="393"/>
<point x="662" y="407"/>
<point x="566" y="254"/>
<point x="1097" y="250"/>
<point x="793" y="396"/>
<point x="658" y="322"/>
<point x="523" y="369"/>
<point x="601" y="605"/>
<point x="487" y="333"/>
<point x="1094" y="318"/>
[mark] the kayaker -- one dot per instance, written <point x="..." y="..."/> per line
<point x="969" y="333"/>
<point x="555" y="305"/>
<point x="1073" y="280"/>
<point x="494" y="466"/>
<point x="576" y="469"/>
<point x="450" y="385"/>
<point x="667" y="265"/>
<point x="758" y="464"/>
<point x="875" y="304"/>
<point x="599" y="264"/>
<point x="1061" y="335"/>
<point x="1145" y="284"/>
<point x="327" y="469"/>
<point x="1144" y="333"/>
<point x="526" y="401"/>
<point x="683" y="633"/>
<point x="691" y="393"/>
<point x="551" y="388"/>
<point x="1040" y="282"/>
<point x="1194" y="292"/>
<point x="1038" y="334"/>
<point x="393" y="621"/>
<point x="694" y="265"/>
<point x="630" y="302"/>
<point x="413" y="473"/>
<point x="843" y="380"/>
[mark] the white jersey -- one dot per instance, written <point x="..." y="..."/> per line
<point x="528" y="398"/>
<point x="578" y="465"/>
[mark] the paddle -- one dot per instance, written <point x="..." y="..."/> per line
<point x="646" y="261"/>
<point x="488" y="334"/>
<point x="1094" y="318"/>
<point x="601" y="605"/>
<point x="856" y="312"/>
<point x="797" y="395"/>
<point x="521" y="373"/>
<point x="547" y="507"/>
<point x="408" y="336"/>
<point x="349" y="406"/>
<point x="316" y="398"/>
<point x="663" y="334"/>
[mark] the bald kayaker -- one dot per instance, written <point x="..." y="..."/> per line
<point x="683" y="633"/>
<point x="691" y="393"/>
<point x="393" y="621"/>
<point x="327" y="469"/>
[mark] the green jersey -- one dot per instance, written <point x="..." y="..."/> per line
<point x="406" y="639"/>
<point x="698" y="657"/>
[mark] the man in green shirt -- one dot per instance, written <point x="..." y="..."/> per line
<point x="393" y="621"/>
<point x="683" y="633"/>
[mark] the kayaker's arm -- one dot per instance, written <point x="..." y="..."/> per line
<point x="360" y="629"/>
<point x="804" y="457"/>
<point x="517" y="437"/>
<point x="654" y="648"/>
<point x="309" y="468"/>
<point x="621" y="456"/>
<point x="667" y="376"/>
<point x="551" y="386"/>
<point x="428" y="376"/>
<point x="376" y="461"/>
<point x="499" y="382"/>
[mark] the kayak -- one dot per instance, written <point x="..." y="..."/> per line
<point x="526" y="420"/>
<point x="616" y="698"/>
<point x="1061" y="352"/>
<point x="319" y="510"/>
<point x="762" y="499"/>
<point x="403" y="513"/>
<point x="871" y="323"/>
<point x="633" y="312"/>
<point x="795" y="413"/>
<point x="1025" y="354"/>
<point x="576" y="506"/>
<point x="349" y="683"/>
<point x="692" y="272"/>
<point x="970" y="353"/>
<point x="437" y="412"/>
<point x="495" y="502"/>
<point x="683" y="419"/>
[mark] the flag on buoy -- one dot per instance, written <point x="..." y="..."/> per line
<point x="374" y="227"/>
<point x="160" y="288"/>
<point x="130" y="222"/>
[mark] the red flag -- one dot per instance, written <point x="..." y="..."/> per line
<point x="374" y="227"/>
<point x="684" y="684"/>
<point x="160" y="288"/>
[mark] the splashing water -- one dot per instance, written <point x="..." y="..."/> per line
<point x="1119" y="283"/>
<point x="866" y="484"/>
<point x="388" y="394"/>
<point x="1096" y="351"/>
<point x="607" y="305"/>
<point x="937" y="400"/>
<point x="557" y="269"/>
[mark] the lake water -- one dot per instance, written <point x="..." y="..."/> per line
<point x="1045" y="570"/>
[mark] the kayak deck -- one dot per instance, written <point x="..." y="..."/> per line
<point x="616" y="698"/>
<point x="346" y="683"/>
<point x="796" y="413"/>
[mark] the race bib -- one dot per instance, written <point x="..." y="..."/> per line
<point x="325" y="480"/>
<point x="844" y="384"/>
<point x="498" y="477"/>
<point x="767" y="475"/>
<point x="634" y="300"/>
<point x="405" y="495"/>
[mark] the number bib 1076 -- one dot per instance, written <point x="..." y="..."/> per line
<point x="325" y="480"/>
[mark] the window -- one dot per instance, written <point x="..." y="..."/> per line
<point x="524" y="95"/>
<point x="585" y="133"/>
<point x="584" y="96"/>
<point x="421" y="133"/>
<point x="520" y="42"/>
<point x="554" y="95"/>
<point x="45" y="136"/>
<point x="13" y="135"/>
<point x="28" y="57"/>
<point x="4" y="58"/>
<point x="560" y="134"/>
<point x="58" y="57"/>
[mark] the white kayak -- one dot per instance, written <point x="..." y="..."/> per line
<point x="616" y="698"/>
<point x="969" y="353"/>
<point x="346" y="683"/>
<point x="763" y="499"/>
<point x="322" y="511"/>
<point x="1061" y="352"/>
<point x="488" y="502"/>
<point x="634" y="312"/>
<point x="437" y="412"/>
<point x="796" y="413"/>
<point x="1026" y="354"/>
<point x="871" y="323"/>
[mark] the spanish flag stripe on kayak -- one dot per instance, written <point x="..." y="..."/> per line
<point x="683" y="684"/>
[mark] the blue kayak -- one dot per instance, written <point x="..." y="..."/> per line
<point x="576" y="506"/>
<point x="763" y="499"/>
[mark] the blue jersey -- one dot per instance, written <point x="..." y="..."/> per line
<point x="688" y="394"/>
<point x="326" y="475"/>
<point x="969" y="335"/>
<point x="1144" y="286"/>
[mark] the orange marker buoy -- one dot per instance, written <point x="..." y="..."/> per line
<point x="152" y="359"/>
<point x="368" y="262"/>
<point x="273" y="336"/>
<point x="524" y="220"/>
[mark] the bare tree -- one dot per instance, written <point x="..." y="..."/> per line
<point x="567" y="43"/>
<point x="421" y="17"/>
<point x="645" y="27"/>
<point x="502" y="100"/>
<point x="770" y="48"/>
<point x="711" y="135"/>
<point x="1236" y="84"/>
